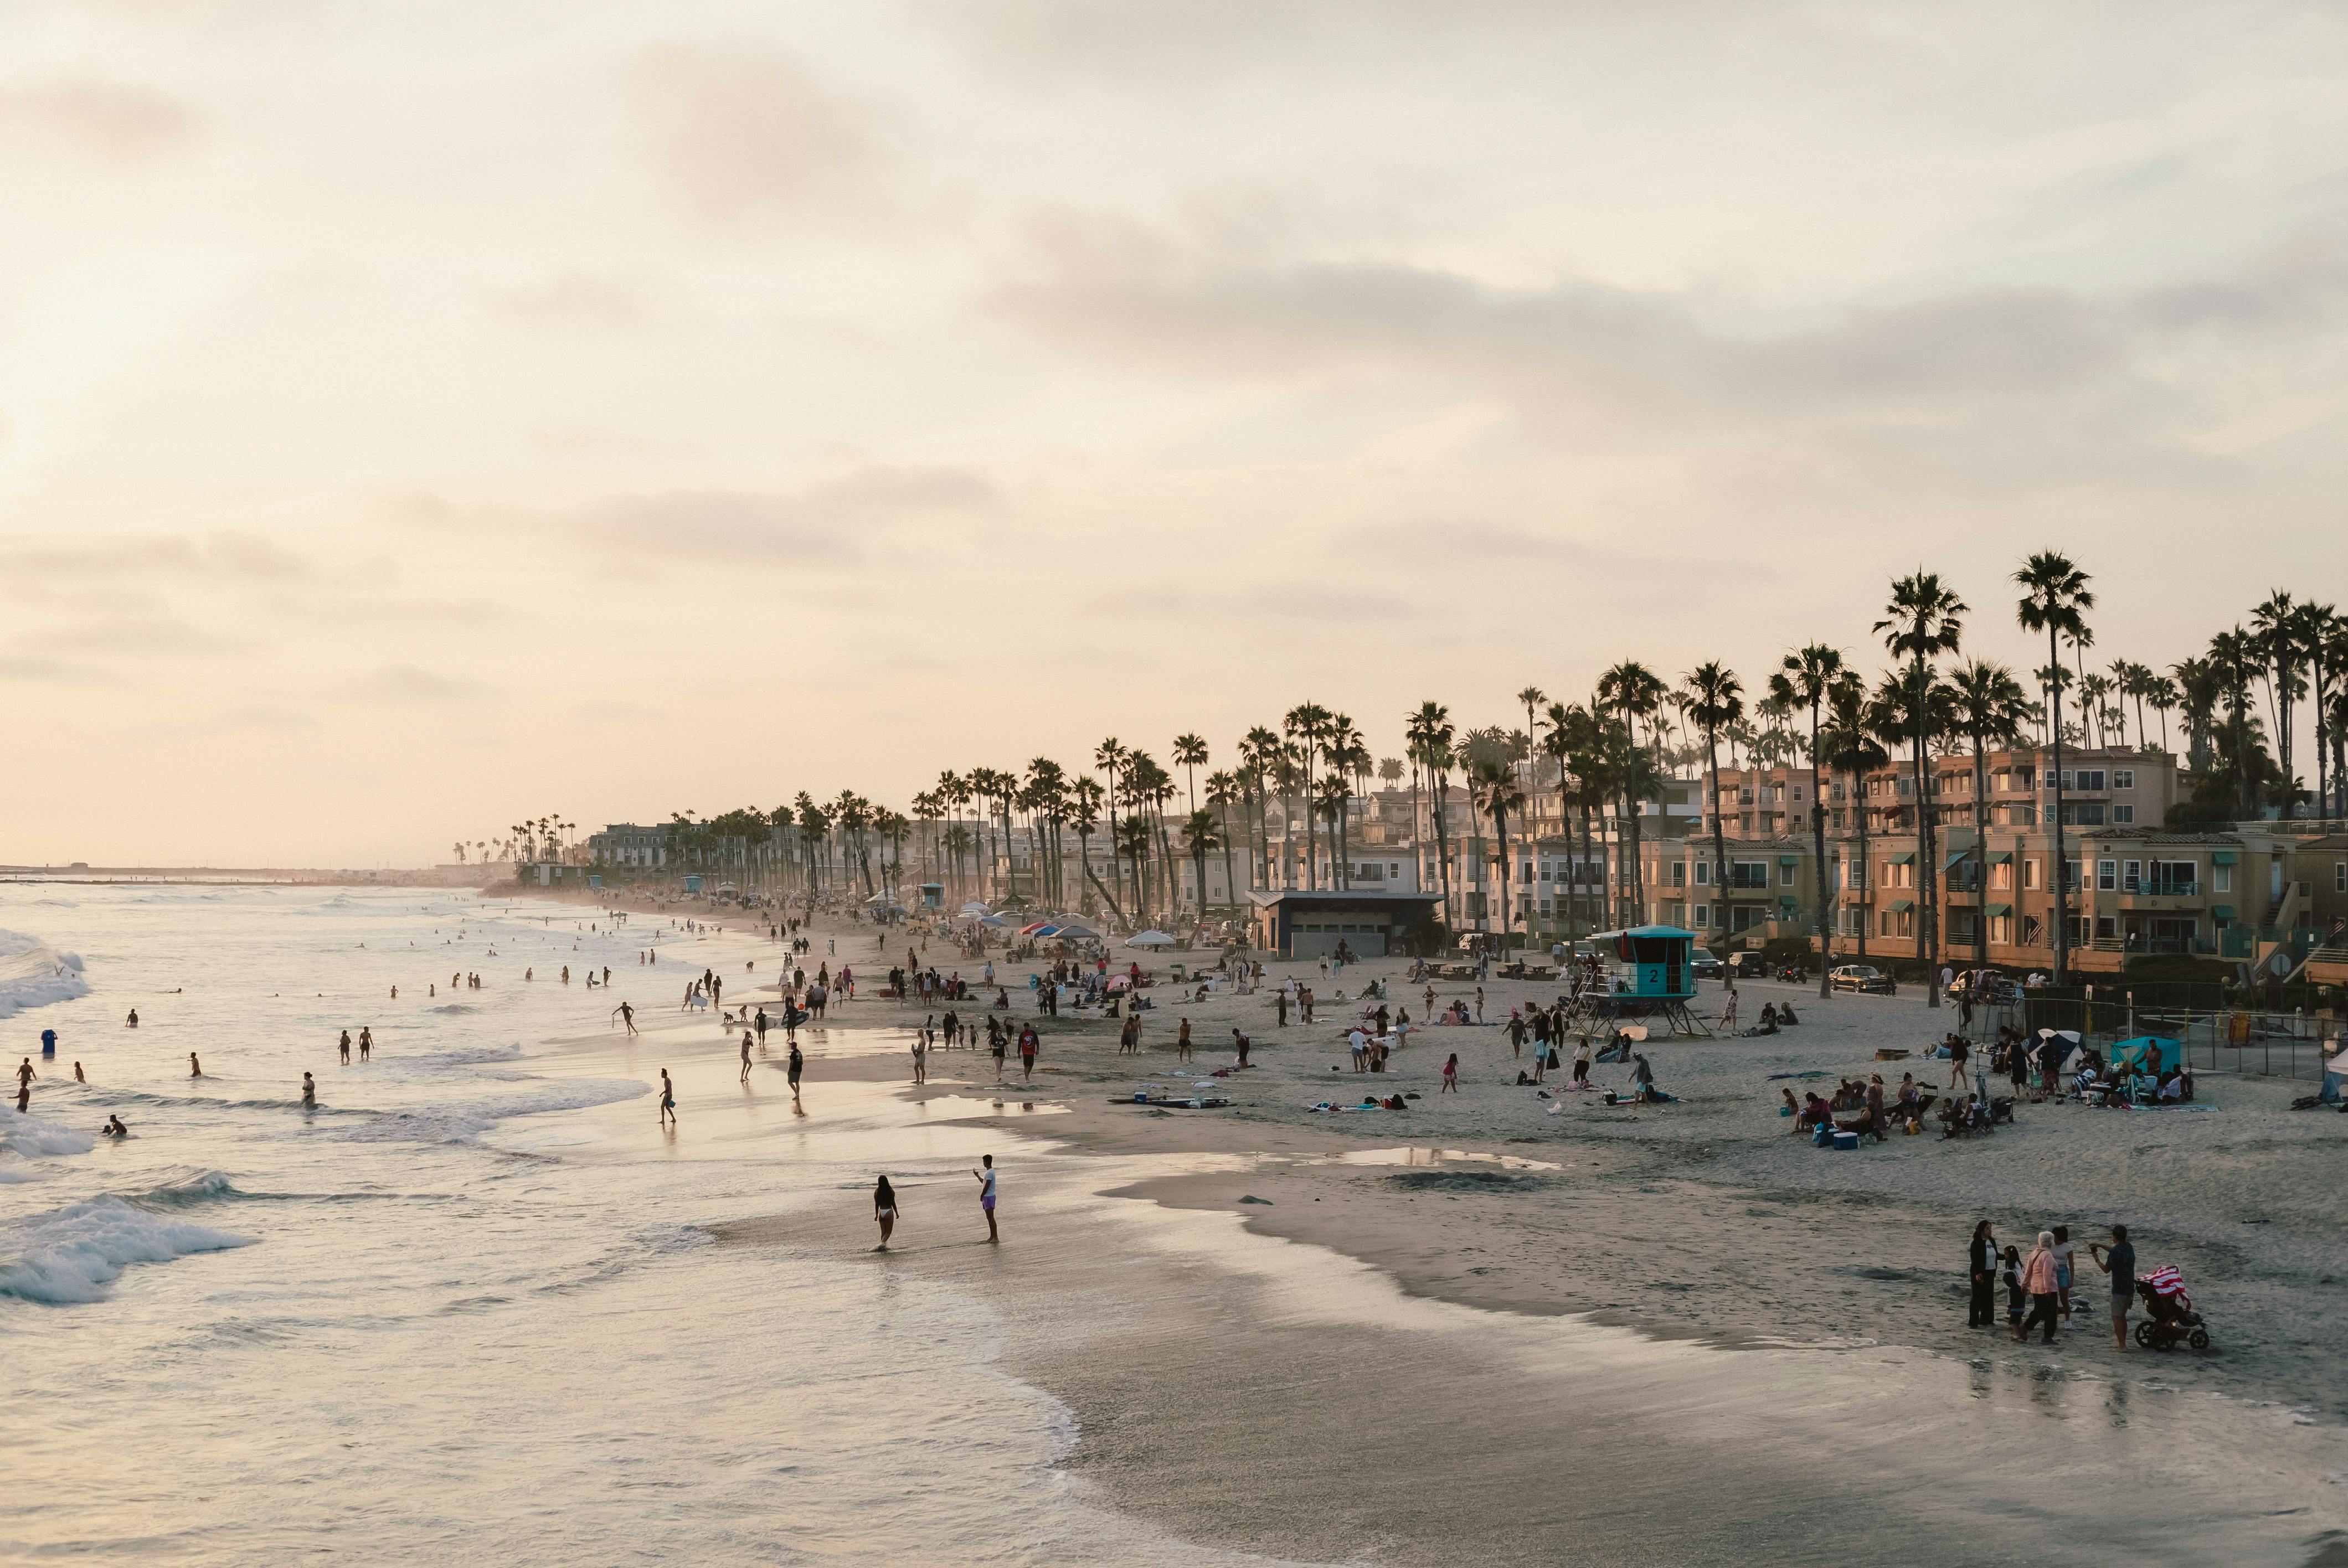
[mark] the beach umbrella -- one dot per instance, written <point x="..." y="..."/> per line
<point x="1151" y="939"/>
<point x="1042" y="931"/>
<point x="992" y="920"/>
<point x="975" y="907"/>
<point x="1078" y="934"/>
<point x="1033" y="927"/>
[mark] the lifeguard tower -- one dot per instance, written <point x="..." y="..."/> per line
<point x="1649" y="976"/>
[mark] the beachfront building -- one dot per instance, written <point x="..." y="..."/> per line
<point x="626" y="844"/>
<point x="1298" y="923"/>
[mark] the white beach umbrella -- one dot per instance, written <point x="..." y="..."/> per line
<point x="1151" y="939"/>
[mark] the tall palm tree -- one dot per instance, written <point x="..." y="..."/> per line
<point x="2276" y="626"/>
<point x="1259" y="753"/>
<point x="1431" y="734"/>
<point x="1923" y="621"/>
<point x="1085" y="798"/>
<point x="1223" y="792"/>
<point x="1711" y="695"/>
<point x="1109" y="756"/>
<point x="1991" y="707"/>
<point x="1190" y="755"/>
<point x="2055" y="599"/>
<point x="2309" y="629"/>
<point x="1849" y="742"/>
<point x="1492" y="785"/>
<point x="1333" y="794"/>
<point x="1804" y="679"/>
<point x="1304" y="725"/>
<point x="1531" y="698"/>
<point x="1631" y="691"/>
<point x="1199" y="835"/>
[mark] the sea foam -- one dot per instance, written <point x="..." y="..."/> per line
<point x="34" y="974"/>
<point x="73" y="1253"/>
<point x="31" y="1135"/>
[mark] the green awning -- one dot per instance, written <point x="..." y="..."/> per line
<point x="2222" y="911"/>
<point x="1904" y="858"/>
<point x="1957" y="859"/>
<point x="1901" y="905"/>
<point x="1789" y="860"/>
<point x="2001" y="857"/>
<point x="2223" y="857"/>
<point x="1996" y="910"/>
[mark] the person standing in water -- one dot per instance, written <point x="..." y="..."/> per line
<point x="195" y="1068"/>
<point x="132" y="1022"/>
<point x="987" y="1194"/>
<point x="746" y="1056"/>
<point x="626" y="1015"/>
<point x="25" y="1076"/>
<point x="922" y="1055"/>
<point x="796" y="1062"/>
<point x="367" y="1043"/>
<point x="77" y="1077"/>
<point x="667" y="1099"/>
<point x="346" y="1048"/>
<point x="884" y="1209"/>
<point x="309" y="1090"/>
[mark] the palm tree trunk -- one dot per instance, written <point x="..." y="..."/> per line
<point x="1823" y="894"/>
<point x="2062" y="892"/>
<point x="1980" y="852"/>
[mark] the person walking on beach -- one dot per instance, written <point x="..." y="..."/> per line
<point x="793" y="1069"/>
<point x="746" y="1056"/>
<point x="1960" y="1048"/>
<point x="922" y="1055"/>
<point x="1980" y="1260"/>
<point x="884" y="1209"/>
<point x="2119" y="1262"/>
<point x="1028" y="1045"/>
<point x="1182" y="1042"/>
<point x="987" y="1194"/>
<point x="998" y="1045"/>
<point x="626" y="1015"/>
<point x="2038" y="1282"/>
<point x="667" y="1099"/>
<point x="2063" y="1272"/>
<point x="1451" y="1074"/>
<point x="1280" y="1006"/>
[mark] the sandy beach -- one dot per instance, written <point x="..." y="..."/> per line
<point x="1460" y="1237"/>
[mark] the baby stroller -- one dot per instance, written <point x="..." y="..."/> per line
<point x="2173" y="1318"/>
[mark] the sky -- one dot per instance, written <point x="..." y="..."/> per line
<point x="417" y="418"/>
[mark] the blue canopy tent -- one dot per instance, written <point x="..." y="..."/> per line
<point x="2166" y="1054"/>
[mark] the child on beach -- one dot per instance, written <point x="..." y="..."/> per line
<point x="2012" y="1275"/>
<point x="1451" y="1074"/>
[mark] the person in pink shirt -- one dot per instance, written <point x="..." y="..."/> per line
<point x="2041" y="1281"/>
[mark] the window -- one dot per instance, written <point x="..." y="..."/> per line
<point x="1703" y="873"/>
<point x="1785" y="876"/>
<point x="1854" y="873"/>
<point x="1906" y="786"/>
<point x="2072" y="872"/>
<point x="1679" y="873"/>
<point x="2172" y="879"/>
<point x="2085" y="813"/>
<point x="2123" y="778"/>
<point x="1749" y="874"/>
<point x="2106" y="926"/>
<point x="1745" y="796"/>
<point x="2131" y="877"/>
<point x="2001" y="876"/>
<point x="2108" y="876"/>
<point x="2090" y="779"/>
<point x="2001" y="929"/>
<point x="1704" y="916"/>
<point x="2340" y="877"/>
<point x="1745" y="917"/>
<point x="2123" y="814"/>
<point x="1798" y="795"/>
<point x="2221" y="878"/>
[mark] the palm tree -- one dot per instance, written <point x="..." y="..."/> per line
<point x="1190" y="755"/>
<point x="1492" y="785"/>
<point x="2093" y="690"/>
<point x="1333" y="796"/>
<point x="1530" y="698"/>
<point x="1711" y="695"/>
<point x="1991" y="707"/>
<point x="2309" y="629"/>
<point x="1804" y="679"/>
<point x="1201" y="834"/>
<point x="2275" y="625"/>
<point x="1109" y="756"/>
<point x="1631" y="691"/>
<point x="1849" y="742"/>
<point x="1922" y="621"/>
<point x="1304" y="725"/>
<point x="1431" y="734"/>
<point x="1223" y="790"/>
<point x="1259" y="753"/>
<point x="2055" y="599"/>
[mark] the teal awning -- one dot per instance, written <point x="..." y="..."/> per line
<point x="1901" y="905"/>
<point x="1997" y="909"/>
<point x="2223" y="857"/>
<point x="2001" y="857"/>
<point x="1903" y="858"/>
<point x="1958" y="859"/>
<point x="1789" y="860"/>
<point x="2222" y="911"/>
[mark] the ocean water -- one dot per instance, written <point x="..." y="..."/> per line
<point x="445" y="1313"/>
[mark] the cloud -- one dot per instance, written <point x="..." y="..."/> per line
<point x="744" y="130"/>
<point x="34" y="670"/>
<point x="97" y="121"/>
<point x="232" y="556"/>
<point x="570" y="301"/>
<point x="409" y="684"/>
<point x="827" y="524"/>
<point x="141" y="635"/>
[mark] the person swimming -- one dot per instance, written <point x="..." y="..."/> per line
<point x="115" y="1129"/>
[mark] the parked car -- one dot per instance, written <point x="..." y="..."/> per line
<point x="1988" y="986"/>
<point x="1705" y="967"/>
<point x="1861" y="978"/>
<point x="1748" y="966"/>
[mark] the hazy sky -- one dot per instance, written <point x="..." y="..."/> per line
<point x="416" y="416"/>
